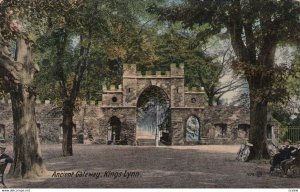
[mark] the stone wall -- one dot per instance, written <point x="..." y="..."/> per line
<point x="177" y="92"/>
<point x="48" y="119"/>
<point x="87" y="119"/>
<point x="218" y="125"/>
<point x="127" y="117"/>
<point x="194" y="99"/>
<point x="179" y="117"/>
<point x="144" y="83"/>
<point x="114" y="99"/>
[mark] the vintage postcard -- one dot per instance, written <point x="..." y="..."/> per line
<point x="163" y="94"/>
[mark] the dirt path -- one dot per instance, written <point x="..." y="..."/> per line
<point x="100" y="166"/>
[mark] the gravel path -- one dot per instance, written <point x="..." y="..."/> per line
<point x="203" y="166"/>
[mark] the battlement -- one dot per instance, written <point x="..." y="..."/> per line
<point x="49" y="102"/>
<point x="112" y="88"/>
<point x="194" y="90"/>
<point x="175" y="71"/>
<point x="154" y="74"/>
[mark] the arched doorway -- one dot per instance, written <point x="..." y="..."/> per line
<point x="114" y="130"/>
<point x="192" y="129"/>
<point x="153" y="114"/>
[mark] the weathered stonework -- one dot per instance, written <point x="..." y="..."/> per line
<point x="116" y="116"/>
<point x="134" y="83"/>
<point x="218" y="125"/>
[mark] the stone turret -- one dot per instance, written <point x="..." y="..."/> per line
<point x="129" y="70"/>
<point x="129" y="85"/>
<point x="177" y="71"/>
<point x="177" y="85"/>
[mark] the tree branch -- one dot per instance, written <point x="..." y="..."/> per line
<point x="236" y="30"/>
<point x="250" y="41"/>
<point x="61" y="41"/>
<point x="267" y="50"/>
<point x="229" y="87"/>
<point x="8" y="66"/>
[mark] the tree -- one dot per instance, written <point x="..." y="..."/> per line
<point x="94" y="37"/>
<point x="72" y="31"/>
<point x="255" y="29"/>
<point x="210" y="71"/>
<point x="293" y="80"/>
<point x="202" y="69"/>
<point x="17" y="72"/>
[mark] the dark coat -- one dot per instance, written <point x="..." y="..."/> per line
<point x="286" y="153"/>
<point x="7" y="158"/>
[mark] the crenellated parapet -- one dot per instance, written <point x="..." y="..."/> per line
<point x="154" y="74"/>
<point x="176" y="71"/>
<point x="47" y="102"/>
<point x="194" y="90"/>
<point x="112" y="88"/>
<point x="194" y="96"/>
<point x="112" y="95"/>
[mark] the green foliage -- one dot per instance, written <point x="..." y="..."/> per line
<point x="120" y="33"/>
<point x="293" y="80"/>
<point x="216" y="15"/>
<point x="286" y="119"/>
<point x="255" y="28"/>
<point x="176" y="45"/>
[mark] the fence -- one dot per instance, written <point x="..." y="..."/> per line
<point x="293" y="134"/>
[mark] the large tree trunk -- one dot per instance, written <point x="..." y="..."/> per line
<point x="259" y="86"/>
<point x="18" y="76"/>
<point x="28" y="161"/>
<point x="69" y="97"/>
<point x="256" y="61"/>
<point x="67" y="126"/>
<point x="258" y="124"/>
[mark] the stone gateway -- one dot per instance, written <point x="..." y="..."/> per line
<point x="191" y="121"/>
<point x="114" y="120"/>
<point x="122" y="103"/>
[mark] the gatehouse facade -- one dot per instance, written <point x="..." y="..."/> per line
<point x="114" y="119"/>
<point x="121" y="103"/>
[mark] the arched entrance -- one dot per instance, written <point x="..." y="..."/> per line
<point x="153" y="114"/>
<point x="114" y="130"/>
<point x="192" y="129"/>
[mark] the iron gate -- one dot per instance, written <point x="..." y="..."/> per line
<point x="293" y="134"/>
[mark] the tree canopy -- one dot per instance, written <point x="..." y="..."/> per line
<point x="255" y="29"/>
